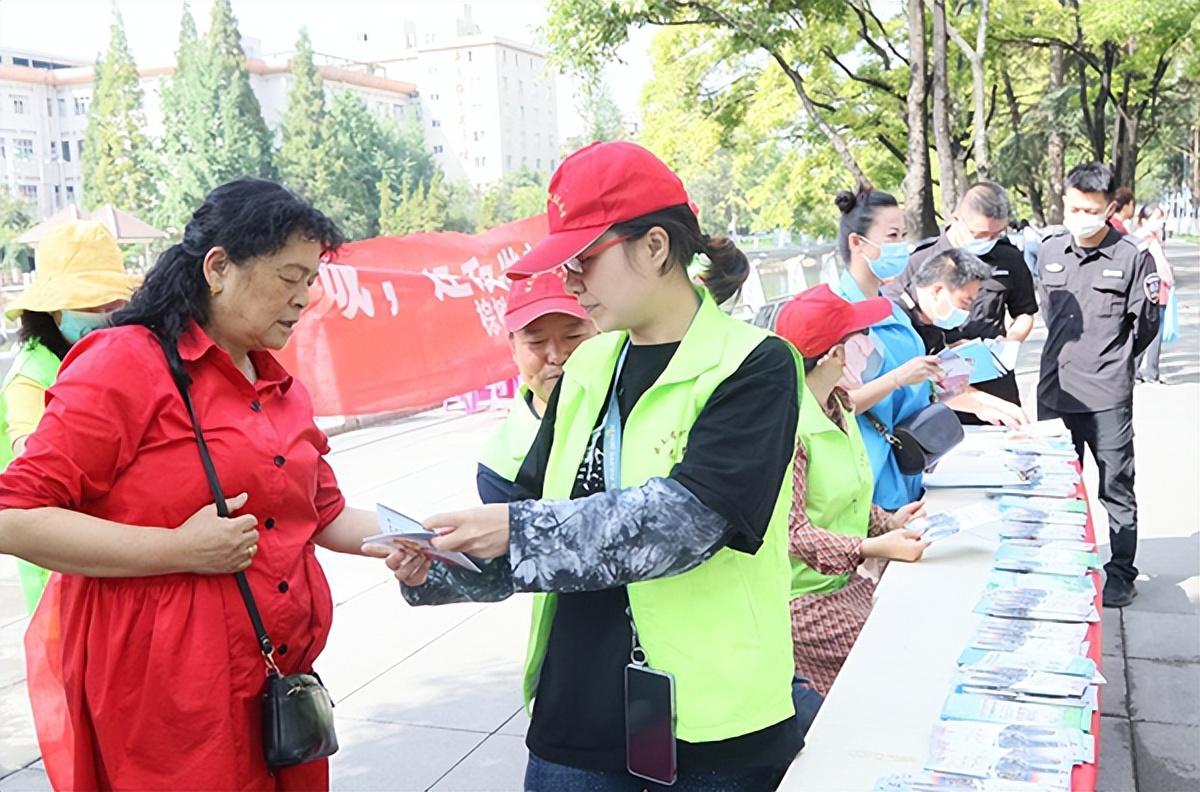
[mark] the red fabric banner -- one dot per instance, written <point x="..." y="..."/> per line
<point x="403" y="323"/>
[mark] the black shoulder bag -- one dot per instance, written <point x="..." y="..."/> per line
<point x="923" y="438"/>
<point x="297" y="711"/>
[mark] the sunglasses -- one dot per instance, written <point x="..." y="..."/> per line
<point x="576" y="264"/>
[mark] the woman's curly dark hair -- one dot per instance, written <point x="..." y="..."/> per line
<point x="248" y="218"/>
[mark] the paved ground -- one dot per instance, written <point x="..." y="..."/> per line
<point x="427" y="698"/>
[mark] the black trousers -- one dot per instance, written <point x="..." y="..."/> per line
<point x="1109" y="435"/>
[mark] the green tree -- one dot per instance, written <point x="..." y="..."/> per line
<point x="16" y="216"/>
<point x="117" y="157"/>
<point x="521" y="193"/>
<point x="364" y="150"/>
<point x="187" y="144"/>
<point x="304" y="149"/>
<point x="242" y="143"/>
<point x="600" y="114"/>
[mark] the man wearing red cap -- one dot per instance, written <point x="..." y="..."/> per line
<point x="833" y="525"/>
<point x="544" y="324"/>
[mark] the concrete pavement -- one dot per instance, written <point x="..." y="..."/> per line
<point x="427" y="698"/>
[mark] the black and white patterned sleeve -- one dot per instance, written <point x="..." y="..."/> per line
<point x="610" y="539"/>
<point x="447" y="584"/>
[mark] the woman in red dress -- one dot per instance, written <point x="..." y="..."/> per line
<point x="143" y="667"/>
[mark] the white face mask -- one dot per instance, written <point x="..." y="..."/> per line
<point x="1084" y="225"/>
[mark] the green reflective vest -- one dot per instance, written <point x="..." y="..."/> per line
<point x="39" y="364"/>
<point x="839" y="488"/>
<point x="506" y="449"/>
<point x="34" y="362"/>
<point x="724" y="628"/>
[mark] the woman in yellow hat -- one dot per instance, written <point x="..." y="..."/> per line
<point x="80" y="279"/>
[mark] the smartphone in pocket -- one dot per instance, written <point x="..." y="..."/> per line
<point x="650" y="724"/>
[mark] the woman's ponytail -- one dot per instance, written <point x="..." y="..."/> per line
<point x="727" y="268"/>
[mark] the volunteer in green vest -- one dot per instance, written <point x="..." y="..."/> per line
<point x="544" y="324"/>
<point x="654" y="524"/>
<point x="834" y="526"/>
<point x="80" y="279"/>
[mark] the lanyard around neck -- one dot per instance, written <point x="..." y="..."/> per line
<point x="612" y="430"/>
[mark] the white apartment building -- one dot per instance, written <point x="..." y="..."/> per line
<point x="44" y="105"/>
<point x="489" y="106"/>
<point x="43" y="114"/>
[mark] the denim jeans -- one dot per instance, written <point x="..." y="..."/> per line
<point x="544" y="776"/>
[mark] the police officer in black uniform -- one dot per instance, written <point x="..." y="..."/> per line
<point x="978" y="226"/>
<point x="1099" y="297"/>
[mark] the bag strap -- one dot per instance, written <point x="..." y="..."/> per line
<point x="878" y="426"/>
<point x="214" y="485"/>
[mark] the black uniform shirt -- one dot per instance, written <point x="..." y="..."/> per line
<point x="1101" y="310"/>
<point x="1010" y="289"/>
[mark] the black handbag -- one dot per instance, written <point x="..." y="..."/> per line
<point x="297" y="711"/>
<point x="920" y="440"/>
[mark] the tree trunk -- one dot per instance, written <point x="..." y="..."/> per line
<point x="947" y="176"/>
<point x="1032" y="185"/>
<point x="835" y="138"/>
<point x="979" y="89"/>
<point x="919" y="219"/>
<point x="1057" y="143"/>
<point x="1195" y="175"/>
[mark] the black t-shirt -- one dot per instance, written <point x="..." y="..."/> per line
<point x="738" y="451"/>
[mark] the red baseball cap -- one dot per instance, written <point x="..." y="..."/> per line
<point x="533" y="298"/>
<point x="594" y="189"/>
<point x="816" y="320"/>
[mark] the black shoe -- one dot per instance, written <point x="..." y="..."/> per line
<point x="1118" y="592"/>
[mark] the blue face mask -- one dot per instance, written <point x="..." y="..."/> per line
<point x="74" y="325"/>
<point x="980" y="247"/>
<point x="893" y="258"/>
<point x="953" y="319"/>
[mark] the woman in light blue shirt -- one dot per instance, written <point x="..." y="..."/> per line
<point x="895" y="381"/>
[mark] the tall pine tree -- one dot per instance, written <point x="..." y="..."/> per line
<point x="117" y="166"/>
<point x="188" y="142"/>
<point x="242" y="141"/>
<point x="303" y="150"/>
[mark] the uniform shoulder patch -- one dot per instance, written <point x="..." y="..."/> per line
<point x="1151" y="285"/>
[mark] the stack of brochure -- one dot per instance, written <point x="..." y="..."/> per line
<point x="1020" y="711"/>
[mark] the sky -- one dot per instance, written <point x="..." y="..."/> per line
<point x="336" y="28"/>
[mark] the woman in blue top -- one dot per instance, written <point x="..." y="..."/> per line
<point x="897" y="377"/>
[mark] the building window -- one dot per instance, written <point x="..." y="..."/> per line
<point x="28" y="191"/>
<point x="20" y="61"/>
<point x="539" y="163"/>
<point x="18" y="105"/>
<point x="433" y="97"/>
<point x="3" y="153"/>
<point x="508" y="161"/>
<point x="520" y="86"/>
<point x="397" y="111"/>
<point x="70" y="193"/>
<point x="66" y="150"/>
<point x="435" y="123"/>
<point x="469" y="55"/>
<point x="23" y="148"/>
<point x="62" y="107"/>
<point x="79" y="148"/>
<point x="438" y="149"/>
<point x="53" y="149"/>
<point x="81" y="105"/>
<point x="57" y="197"/>
<point x="49" y="106"/>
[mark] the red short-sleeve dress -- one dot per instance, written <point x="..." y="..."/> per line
<point x="154" y="683"/>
